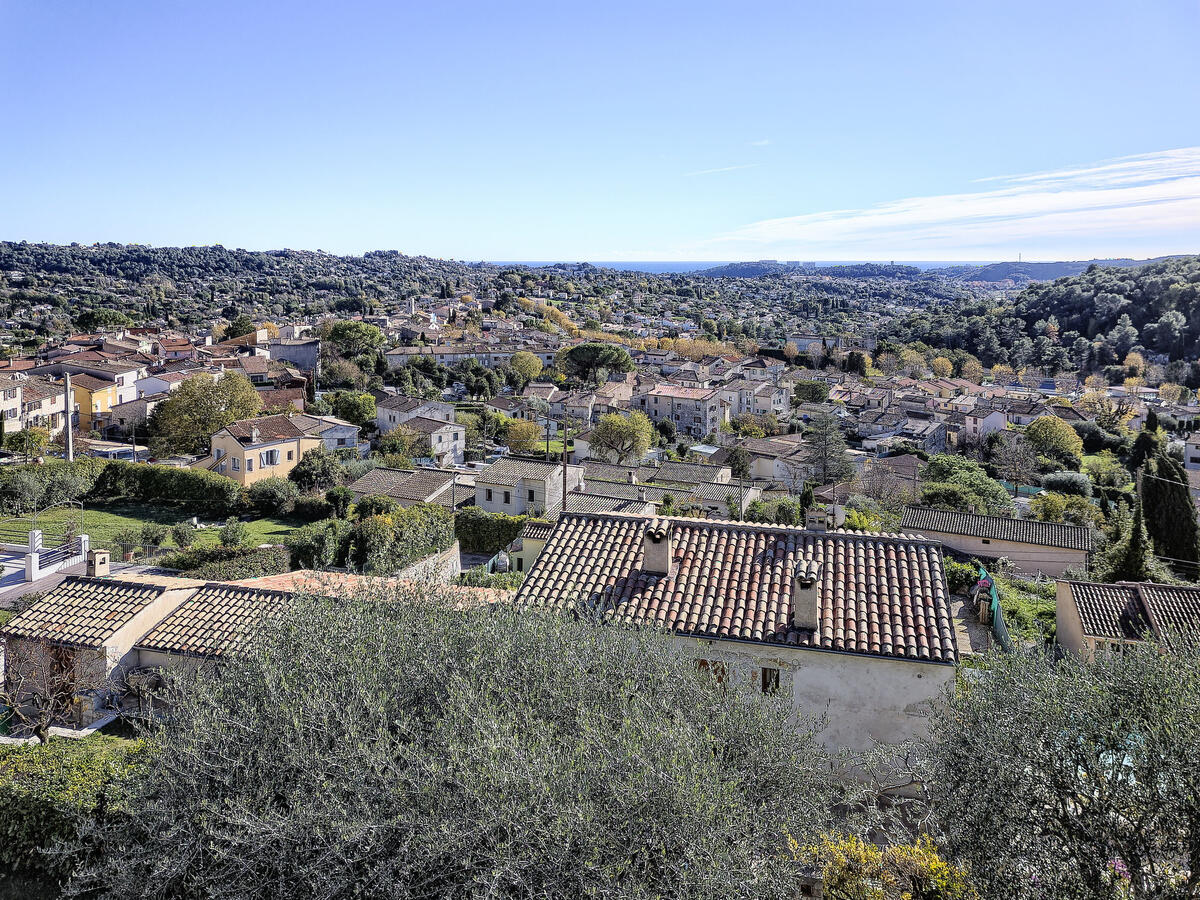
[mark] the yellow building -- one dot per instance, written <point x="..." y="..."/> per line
<point x="254" y="449"/>
<point x="94" y="400"/>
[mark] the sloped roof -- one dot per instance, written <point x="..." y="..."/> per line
<point x="83" y="612"/>
<point x="1109" y="610"/>
<point x="998" y="528"/>
<point x="270" y="428"/>
<point x="879" y="595"/>
<point x="422" y="485"/>
<point x="510" y="470"/>
<point x="214" y="620"/>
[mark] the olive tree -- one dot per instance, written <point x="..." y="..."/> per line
<point x="1076" y="778"/>
<point x="401" y="745"/>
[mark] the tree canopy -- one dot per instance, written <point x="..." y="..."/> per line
<point x="587" y="361"/>
<point x="622" y="438"/>
<point x="1075" y="778"/>
<point x="199" y="408"/>
<point x="399" y="745"/>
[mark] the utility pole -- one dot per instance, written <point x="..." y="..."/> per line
<point x="69" y="409"/>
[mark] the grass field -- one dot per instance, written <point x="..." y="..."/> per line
<point x="104" y="524"/>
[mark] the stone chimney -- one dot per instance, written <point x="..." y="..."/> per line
<point x="806" y="595"/>
<point x="642" y="494"/>
<point x="631" y="476"/>
<point x="254" y="434"/>
<point x="816" y="520"/>
<point x="658" y="547"/>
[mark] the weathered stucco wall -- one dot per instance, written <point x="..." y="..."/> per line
<point x="865" y="698"/>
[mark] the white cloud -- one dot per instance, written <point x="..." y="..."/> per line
<point x="722" y="169"/>
<point x="1137" y="205"/>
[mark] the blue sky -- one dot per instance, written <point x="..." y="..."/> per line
<point x="607" y="131"/>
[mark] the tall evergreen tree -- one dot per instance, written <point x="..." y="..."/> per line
<point x="1133" y="559"/>
<point x="824" y="450"/>
<point x="1170" y="514"/>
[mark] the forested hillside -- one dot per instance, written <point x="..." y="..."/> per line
<point x="1085" y="322"/>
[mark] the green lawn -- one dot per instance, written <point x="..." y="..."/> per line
<point x="103" y="524"/>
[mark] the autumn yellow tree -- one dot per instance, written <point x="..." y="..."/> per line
<point x="942" y="367"/>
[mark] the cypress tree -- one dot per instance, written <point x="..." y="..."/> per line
<point x="1133" y="558"/>
<point x="807" y="500"/>
<point x="1170" y="514"/>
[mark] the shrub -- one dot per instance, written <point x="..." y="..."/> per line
<point x="256" y="562"/>
<point x="153" y="535"/>
<point x="960" y="577"/>
<point x="320" y="545"/>
<point x="339" y="500"/>
<point x="128" y="538"/>
<point x="312" y="509"/>
<point x="48" y="791"/>
<point x="274" y="496"/>
<point x="479" y="531"/>
<point x="317" y="469"/>
<point x="229" y="563"/>
<point x="375" y="505"/>
<point x="1076" y="483"/>
<point x="371" y="550"/>
<point x="480" y="577"/>
<point x="234" y="532"/>
<point x="384" y="544"/>
<point x="183" y="534"/>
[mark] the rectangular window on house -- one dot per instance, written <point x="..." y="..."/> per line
<point x="237" y="464"/>
<point x="507" y="498"/>
<point x="770" y="681"/>
<point x="488" y="495"/>
<point x="268" y="458"/>
<point x="531" y="493"/>
<point x="520" y="564"/>
<point x="249" y="464"/>
<point x="341" y="442"/>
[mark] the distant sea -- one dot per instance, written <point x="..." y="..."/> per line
<point x="659" y="267"/>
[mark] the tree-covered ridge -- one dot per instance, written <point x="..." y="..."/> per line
<point x="1084" y="323"/>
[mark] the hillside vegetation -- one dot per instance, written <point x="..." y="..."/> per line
<point x="1085" y="322"/>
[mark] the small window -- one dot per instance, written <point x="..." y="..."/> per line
<point x="520" y="564"/>
<point x="770" y="681"/>
<point x="531" y="493"/>
<point x="237" y="464"/>
<point x="507" y="497"/>
<point x="488" y="494"/>
<point x="986" y="540"/>
<point x="341" y="442"/>
<point x="291" y="454"/>
<point x="249" y="464"/>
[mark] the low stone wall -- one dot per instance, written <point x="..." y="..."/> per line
<point x="440" y="568"/>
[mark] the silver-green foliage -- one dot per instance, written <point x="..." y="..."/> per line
<point x="1073" y="779"/>
<point x="398" y="746"/>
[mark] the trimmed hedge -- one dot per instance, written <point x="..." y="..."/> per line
<point x="48" y="791"/>
<point x="229" y="563"/>
<point x="24" y="488"/>
<point x="196" y="489"/>
<point x="479" y="531"/>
